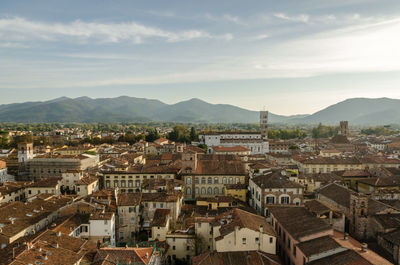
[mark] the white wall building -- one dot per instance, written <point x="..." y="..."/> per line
<point x="256" y="142"/>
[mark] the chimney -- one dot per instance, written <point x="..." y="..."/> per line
<point x="364" y="247"/>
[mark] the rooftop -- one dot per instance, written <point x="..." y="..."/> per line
<point x="304" y="224"/>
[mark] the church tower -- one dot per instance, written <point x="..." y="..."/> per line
<point x="344" y="128"/>
<point x="25" y="152"/>
<point x="264" y="124"/>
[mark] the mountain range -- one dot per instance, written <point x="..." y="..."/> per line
<point x="359" y="111"/>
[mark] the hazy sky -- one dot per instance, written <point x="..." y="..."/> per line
<point x="288" y="56"/>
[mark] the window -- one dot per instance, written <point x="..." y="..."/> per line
<point x="203" y="180"/>
<point x="196" y="180"/>
<point x="223" y="180"/>
<point x="123" y="183"/>
<point x="230" y="180"/>
<point x="197" y="191"/>
<point x="209" y="190"/>
<point x="188" y="191"/>
<point x="257" y="240"/>
<point x="107" y="183"/>
<point x="285" y="200"/>
<point x="294" y="250"/>
<point x="132" y="209"/>
<point x="116" y="183"/>
<point x="173" y="247"/>
<point x="216" y="180"/>
<point x="270" y="200"/>
<point x="209" y="180"/>
<point x="244" y="241"/>
<point x="203" y="191"/>
<point x="215" y="191"/>
<point x="187" y="248"/>
<point x="137" y="182"/>
<point x="189" y="180"/>
<point x="237" y="180"/>
<point x="130" y="183"/>
<point x="271" y="239"/>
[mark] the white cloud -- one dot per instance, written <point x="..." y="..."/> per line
<point x="260" y="37"/>
<point x="20" y="29"/>
<point x="299" y="18"/>
<point x="225" y="18"/>
<point x="366" y="47"/>
<point x="13" y="45"/>
<point x="369" y="47"/>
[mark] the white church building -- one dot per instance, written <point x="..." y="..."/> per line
<point x="256" y="142"/>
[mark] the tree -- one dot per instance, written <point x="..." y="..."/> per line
<point x="180" y="133"/>
<point x="193" y="134"/>
<point x="152" y="135"/>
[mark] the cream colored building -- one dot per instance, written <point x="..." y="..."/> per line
<point x="160" y="224"/>
<point x="70" y="178"/>
<point x="236" y="230"/>
<point x="87" y="185"/>
<point x="181" y="246"/>
<point x="128" y="216"/>
<point x="132" y="179"/>
<point x="46" y="186"/>
<point x="318" y="164"/>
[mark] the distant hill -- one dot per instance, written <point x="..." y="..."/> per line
<point x="359" y="111"/>
<point x="125" y="109"/>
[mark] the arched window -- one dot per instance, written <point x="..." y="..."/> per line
<point x="188" y="191"/>
<point x="209" y="191"/>
<point x="196" y="180"/>
<point x="197" y="191"/>
<point x="115" y="183"/>
<point x="203" y="180"/>
<point x="297" y="201"/>
<point x="203" y="191"/>
<point x="237" y="180"/>
<point x="216" y="191"/>
<point x="267" y="213"/>
<point x="209" y="180"/>
<point x="188" y="180"/>
<point x="230" y="180"/>
<point x="270" y="199"/>
<point x="216" y="180"/>
<point x="223" y="180"/>
<point x="284" y="199"/>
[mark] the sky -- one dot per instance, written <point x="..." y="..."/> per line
<point x="289" y="57"/>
